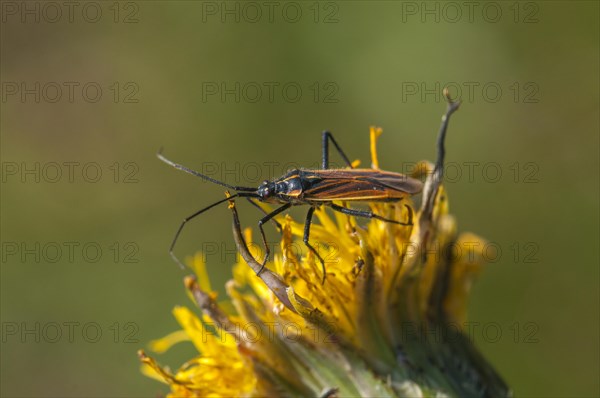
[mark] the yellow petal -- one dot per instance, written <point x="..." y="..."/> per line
<point x="161" y="345"/>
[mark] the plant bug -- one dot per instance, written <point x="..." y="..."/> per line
<point x="316" y="188"/>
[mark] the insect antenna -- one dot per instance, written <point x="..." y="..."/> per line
<point x="203" y="176"/>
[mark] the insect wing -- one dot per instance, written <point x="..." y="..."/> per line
<point x="360" y="184"/>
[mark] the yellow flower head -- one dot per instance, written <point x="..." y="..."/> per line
<point x="387" y="322"/>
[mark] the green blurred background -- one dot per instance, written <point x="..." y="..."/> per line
<point x="357" y="64"/>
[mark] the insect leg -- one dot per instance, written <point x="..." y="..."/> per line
<point x="185" y="220"/>
<point x="262" y="232"/>
<point x="369" y="214"/>
<point x="264" y="212"/>
<point x="309" y="216"/>
<point x="325" y="158"/>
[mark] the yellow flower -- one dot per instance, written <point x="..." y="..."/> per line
<point x="387" y="322"/>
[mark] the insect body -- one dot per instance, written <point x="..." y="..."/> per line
<point x="321" y="188"/>
<point x="318" y="186"/>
